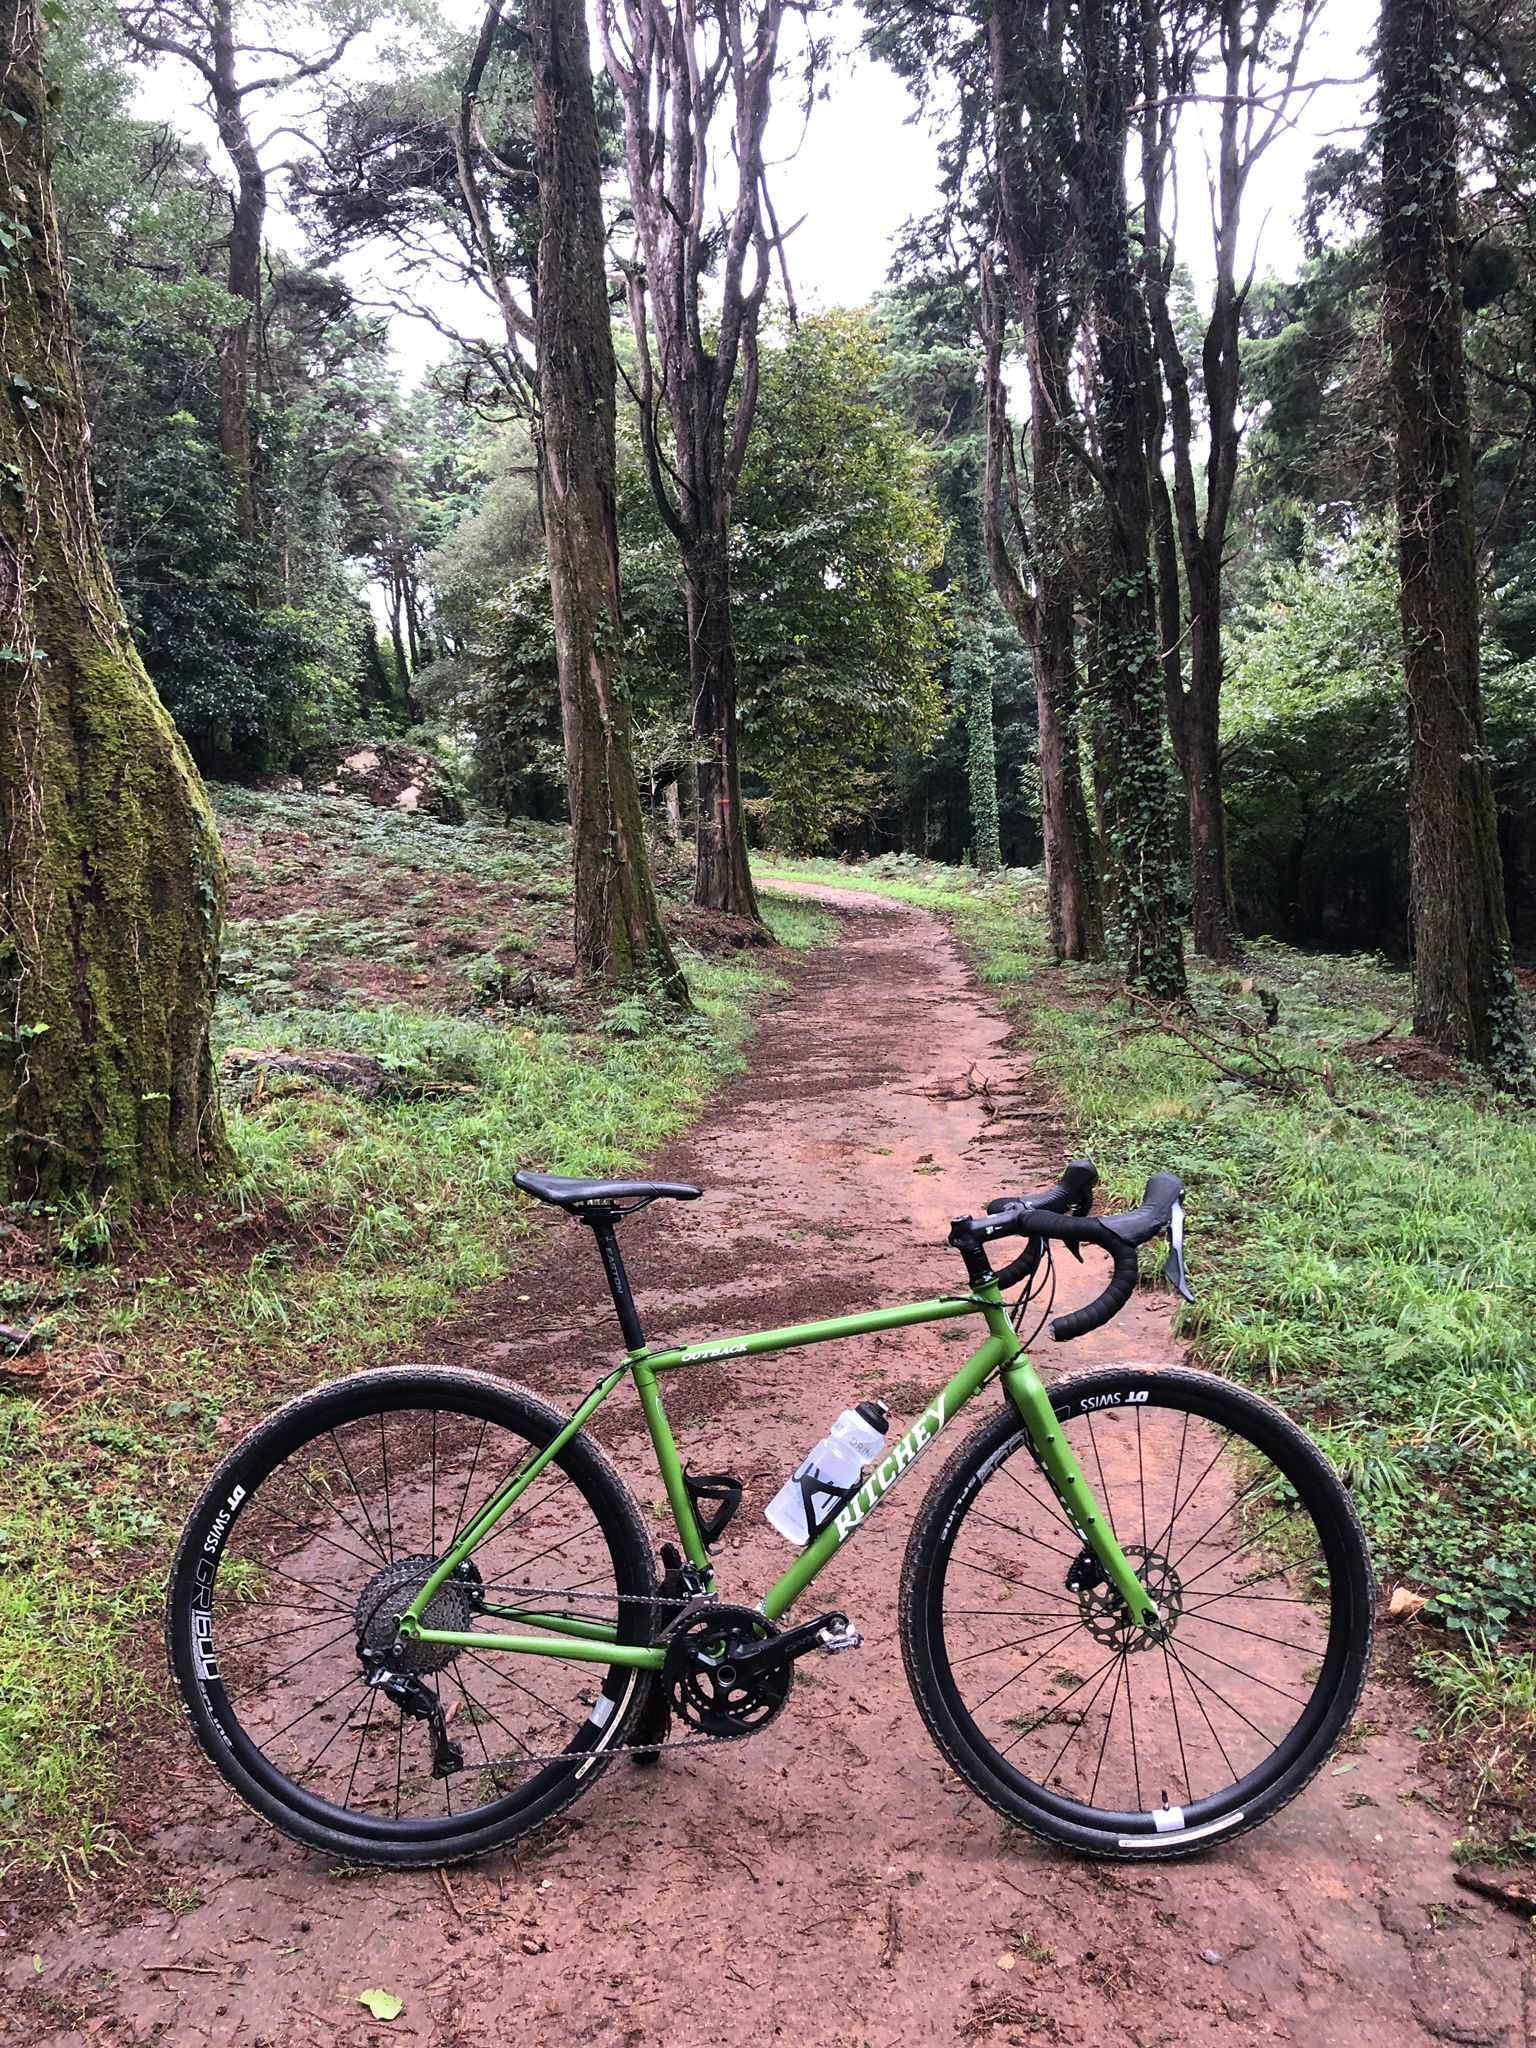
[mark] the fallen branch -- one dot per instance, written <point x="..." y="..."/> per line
<point x="1515" y="1897"/>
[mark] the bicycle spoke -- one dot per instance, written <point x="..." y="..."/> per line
<point x="1252" y="1676"/>
<point x="497" y="1672"/>
<point x="1049" y="1502"/>
<point x="1109" y="1722"/>
<point x="484" y="1705"/>
<point x="1033" y="1541"/>
<point x="468" y="1483"/>
<point x="1025" y="1670"/>
<point x="318" y="1535"/>
<point x="352" y="1482"/>
<point x="1210" y="1621"/>
<point x="342" y="1724"/>
<point x="1180" y="1505"/>
<point x="1109" y="1508"/>
<point x="1206" y="1570"/>
<point x="1210" y="1724"/>
<point x="1020" y="1585"/>
<point x="524" y="1564"/>
<point x="1101" y="1674"/>
<point x="1056" y="1706"/>
<point x="389" y="1519"/>
<point x="329" y="1644"/>
<point x="373" y="1700"/>
<point x="1178" y="1728"/>
<point x="1195" y="1677"/>
<point x="352" y="1678"/>
<point x="233" y="1649"/>
<point x="1130" y="1708"/>
<point x="1263" y="1479"/>
<point x="294" y="1580"/>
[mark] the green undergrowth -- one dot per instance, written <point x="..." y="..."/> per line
<point x="352" y="1224"/>
<point x="1363" y="1245"/>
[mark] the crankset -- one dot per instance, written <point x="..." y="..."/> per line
<point x="729" y="1669"/>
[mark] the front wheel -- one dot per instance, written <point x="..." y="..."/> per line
<point x="1042" y="1693"/>
<point x="318" y="1530"/>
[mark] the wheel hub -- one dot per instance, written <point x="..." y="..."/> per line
<point x="1104" y="1612"/>
<point x="385" y="1598"/>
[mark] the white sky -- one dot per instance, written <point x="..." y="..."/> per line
<point x="866" y="167"/>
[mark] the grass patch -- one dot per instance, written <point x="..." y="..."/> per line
<point x="350" y="1225"/>
<point x="1364" y="1250"/>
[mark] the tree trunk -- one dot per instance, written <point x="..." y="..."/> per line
<point x="243" y="275"/>
<point x="1464" y="997"/>
<point x="1122" y="600"/>
<point x="1034" y="226"/>
<point x="1213" y="918"/>
<point x="618" y="931"/>
<point x="111" y="898"/>
<point x="723" y="877"/>
<point x="973" y="660"/>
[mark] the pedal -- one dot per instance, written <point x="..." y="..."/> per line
<point x="840" y="1635"/>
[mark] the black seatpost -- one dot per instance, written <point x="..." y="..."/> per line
<point x="602" y="1222"/>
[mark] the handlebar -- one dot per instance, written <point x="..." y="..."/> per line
<point x="1058" y="1216"/>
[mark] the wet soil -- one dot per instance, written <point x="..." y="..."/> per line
<point x="831" y="1882"/>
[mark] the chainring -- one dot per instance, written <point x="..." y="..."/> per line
<point x="705" y="1689"/>
<point x="385" y="1598"/>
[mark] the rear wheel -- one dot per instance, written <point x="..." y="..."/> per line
<point x="1077" y="1724"/>
<point x="318" y="1530"/>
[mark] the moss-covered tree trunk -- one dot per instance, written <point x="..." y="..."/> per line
<point x="619" y="936"/>
<point x="1463" y="983"/>
<point x="111" y="892"/>
<point x="972" y="670"/>
<point x="1130" y="711"/>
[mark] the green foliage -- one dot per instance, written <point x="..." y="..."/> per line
<point x="1315" y="754"/>
<point x="839" y="627"/>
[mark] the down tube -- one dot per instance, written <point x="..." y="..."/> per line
<point x="902" y="1456"/>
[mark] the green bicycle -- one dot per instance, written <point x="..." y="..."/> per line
<point x="416" y="1612"/>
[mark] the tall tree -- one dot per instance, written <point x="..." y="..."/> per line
<point x="207" y="35"/>
<point x="1027" y="277"/>
<point x="111" y="898"/>
<point x="678" y="68"/>
<point x="619" y="938"/>
<point x="1256" y="68"/>
<point x="1465" y="997"/>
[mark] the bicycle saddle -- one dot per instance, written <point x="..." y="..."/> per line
<point x="575" y="1194"/>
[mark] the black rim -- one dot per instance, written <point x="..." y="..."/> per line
<point x="1252" y="1564"/>
<point x="339" y="1509"/>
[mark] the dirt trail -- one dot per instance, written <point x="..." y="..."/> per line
<point x="830" y="1882"/>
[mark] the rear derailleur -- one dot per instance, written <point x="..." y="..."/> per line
<point x="419" y="1703"/>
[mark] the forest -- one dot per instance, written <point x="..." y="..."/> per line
<point x="929" y="639"/>
<point x="483" y="606"/>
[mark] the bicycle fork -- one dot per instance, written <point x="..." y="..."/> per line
<point x="1024" y="1388"/>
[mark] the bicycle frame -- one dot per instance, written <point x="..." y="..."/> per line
<point x="1000" y="1353"/>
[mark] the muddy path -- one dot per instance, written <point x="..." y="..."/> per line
<point x="831" y="1882"/>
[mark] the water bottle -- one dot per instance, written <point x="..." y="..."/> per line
<point x="829" y="1475"/>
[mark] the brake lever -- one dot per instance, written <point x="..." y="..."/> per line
<point x="1173" y="1268"/>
